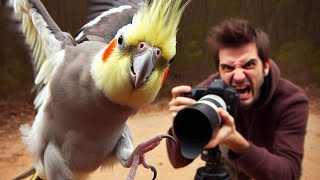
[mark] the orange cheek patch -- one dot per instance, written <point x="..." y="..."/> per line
<point x="166" y="71"/>
<point x="109" y="50"/>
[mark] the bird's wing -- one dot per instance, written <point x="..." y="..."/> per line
<point x="124" y="146"/>
<point x="106" y="17"/>
<point x="45" y="39"/>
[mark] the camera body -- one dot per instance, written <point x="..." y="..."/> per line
<point x="195" y="125"/>
<point x="219" y="88"/>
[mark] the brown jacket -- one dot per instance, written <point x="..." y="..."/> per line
<point x="275" y="127"/>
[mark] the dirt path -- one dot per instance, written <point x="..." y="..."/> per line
<point x="152" y="121"/>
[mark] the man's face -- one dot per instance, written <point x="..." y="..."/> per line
<point x="242" y="69"/>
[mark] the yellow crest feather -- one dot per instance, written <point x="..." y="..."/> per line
<point x="156" y="23"/>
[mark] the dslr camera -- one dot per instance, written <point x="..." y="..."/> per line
<point x="195" y="125"/>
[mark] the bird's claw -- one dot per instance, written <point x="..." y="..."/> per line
<point x="154" y="170"/>
<point x="137" y="156"/>
<point x="169" y="137"/>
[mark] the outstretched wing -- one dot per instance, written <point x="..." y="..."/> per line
<point x="45" y="39"/>
<point x="106" y="17"/>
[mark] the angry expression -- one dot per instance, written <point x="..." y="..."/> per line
<point x="242" y="69"/>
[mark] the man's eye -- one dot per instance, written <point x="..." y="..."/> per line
<point x="227" y="67"/>
<point x="249" y="65"/>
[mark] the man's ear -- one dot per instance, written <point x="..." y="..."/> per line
<point x="266" y="67"/>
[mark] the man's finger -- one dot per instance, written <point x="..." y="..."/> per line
<point x="225" y="116"/>
<point x="176" y="108"/>
<point x="181" y="101"/>
<point x="222" y="134"/>
<point x="179" y="90"/>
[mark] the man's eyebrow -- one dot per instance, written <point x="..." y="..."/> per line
<point x="226" y="65"/>
<point x="250" y="61"/>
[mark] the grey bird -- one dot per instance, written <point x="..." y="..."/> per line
<point x="88" y="86"/>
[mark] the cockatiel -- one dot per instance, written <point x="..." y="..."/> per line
<point x="88" y="88"/>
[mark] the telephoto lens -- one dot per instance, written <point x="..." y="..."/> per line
<point x="195" y="125"/>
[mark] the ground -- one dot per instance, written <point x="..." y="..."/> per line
<point x="151" y="121"/>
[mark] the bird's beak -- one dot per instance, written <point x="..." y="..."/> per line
<point x="144" y="61"/>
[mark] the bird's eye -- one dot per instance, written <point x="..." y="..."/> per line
<point x="120" y="40"/>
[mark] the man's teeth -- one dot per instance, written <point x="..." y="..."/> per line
<point x="243" y="90"/>
<point x="241" y="87"/>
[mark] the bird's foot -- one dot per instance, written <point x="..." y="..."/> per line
<point x="137" y="157"/>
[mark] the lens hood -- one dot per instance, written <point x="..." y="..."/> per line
<point x="195" y="125"/>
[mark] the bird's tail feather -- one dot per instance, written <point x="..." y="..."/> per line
<point x="36" y="177"/>
<point x="30" y="172"/>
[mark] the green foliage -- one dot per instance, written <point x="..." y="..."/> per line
<point x="293" y="27"/>
<point x="15" y="78"/>
<point x="298" y="61"/>
<point x="316" y="66"/>
<point x="15" y="68"/>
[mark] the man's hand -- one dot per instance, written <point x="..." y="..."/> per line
<point x="179" y="102"/>
<point x="228" y="135"/>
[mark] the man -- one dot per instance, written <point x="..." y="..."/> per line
<point x="265" y="140"/>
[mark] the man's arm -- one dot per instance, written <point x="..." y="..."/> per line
<point x="228" y="135"/>
<point x="285" y="160"/>
<point x="174" y="153"/>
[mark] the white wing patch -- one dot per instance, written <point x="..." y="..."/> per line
<point x="46" y="49"/>
<point x="106" y="13"/>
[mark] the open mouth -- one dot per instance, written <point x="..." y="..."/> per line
<point x="243" y="90"/>
<point x="132" y="70"/>
<point x="134" y="73"/>
<point x="135" y="76"/>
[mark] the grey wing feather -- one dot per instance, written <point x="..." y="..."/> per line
<point x="99" y="6"/>
<point x="106" y="17"/>
<point x="45" y="39"/>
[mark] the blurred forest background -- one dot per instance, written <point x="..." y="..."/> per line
<point x="293" y="27"/>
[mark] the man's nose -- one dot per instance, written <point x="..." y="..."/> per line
<point x="239" y="75"/>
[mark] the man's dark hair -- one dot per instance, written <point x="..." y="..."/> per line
<point x="233" y="33"/>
